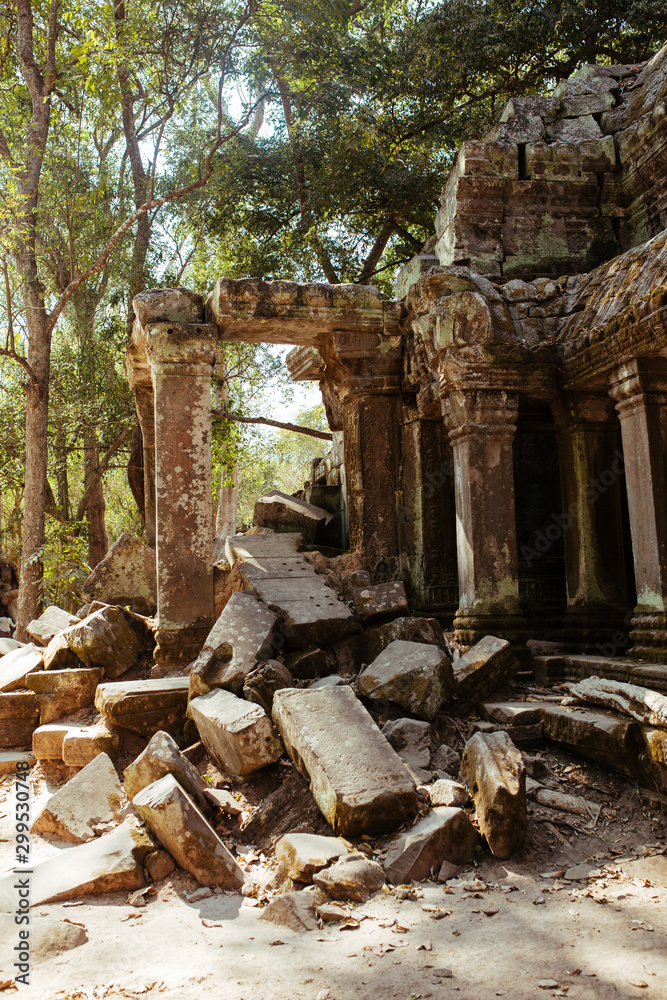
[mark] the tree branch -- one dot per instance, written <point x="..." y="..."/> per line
<point x="322" y="435"/>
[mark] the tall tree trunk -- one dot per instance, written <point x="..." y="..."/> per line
<point x="98" y="543"/>
<point x="225" y="522"/>
<point x="62" y="476"/>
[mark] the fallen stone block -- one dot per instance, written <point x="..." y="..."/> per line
<point x="174" y="818"/>
<point x="159" y="865"/>
<point x="328" y="682"/>
<point x="58" y="655"/>
<point x="237" y="734"/>
<point x="92" y="797"/>
<point x="63" y="692"/>
<point x="603" y="736"/>
<point x="145" y="706"/>
<point x="444" y="834"/>
<point x="47" y="741"/>
<point x="8" y="645"/>
<point x="48" y="939"/>
<point x="291" y="808"/>
<point x="320" y="619"/>
<point x="359" y="782"/>
<point x="413" y="675"/>
<point x="381" y="600"/>
<point x="161" y="757"/>
<point x="493" y="770"/>
<point x="126" y="577"/>
<point x="426" y="630"/>
<point x="105" y="639"/>
<point x="243" y="634"/>
<point x="111" y="863"/>
<point x="648" y="707"/>
<point x="15" y="666"/>
<point x="11" y="761"/>
<point x="303" y="854"/>
<point x="444" y="792"/>
<point x="294" y="910"/>
<point x="351" y="877"/>
<point x="223" y="801"/>
<point x="512" y="713"/>
<point x="52" y="621"/>
<point x="446" y="759"/>
<point x="284" y="513"/>
<point x="262" y="683"/>
<point x="19" y="717"/>
<point x="411" y="739"/>
<point x="482" y="670"/>
<point x="82" y="744"/>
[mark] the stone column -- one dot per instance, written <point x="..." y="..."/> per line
<point x="481" y="425"/>
<point x="639" y="389"/>
<point x="591" y="468"/>
<point x="181" y="356"/>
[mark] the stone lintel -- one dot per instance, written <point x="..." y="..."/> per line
<point x="305" y="364"/>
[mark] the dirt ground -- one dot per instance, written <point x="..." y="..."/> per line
<point x="518" y="928"/>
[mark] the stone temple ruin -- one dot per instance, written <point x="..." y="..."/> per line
<point x="499" y="477"/>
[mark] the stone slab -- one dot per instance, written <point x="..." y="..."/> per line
<point x="19" y="717"/>
<point x="286" y="513"/>
<point x="126" y="576"/>
<point x="238" y="735"/>
<point x="16" y="665"/>
<point x="359" y="782"/>
<point x="411" y="739"/>
<point x="161" y="757"/>
<point x="511" y="713"/>
<point x="482" y="670"/>
<point x="494" y="771"/>
<point x="47" y="741"/>
<point x="381" y="600"/>
<point x="111" y="863"/>
<point x="9" y="645"/>
<point x="92" y="797"/>
<point x="82" y="744"/>
<point x="63" y="692"/>
<point x="320" y="620"/>
<point x="606" y="737"/>
<point x="145" y="706"/>
<point x="413" y="675"/>
<point x="256" y="548"/>
<point x="51" y="621"/>
<point x="304" y="854"/>
<point x="174" y="818"/>
<point x="444" y="834"/>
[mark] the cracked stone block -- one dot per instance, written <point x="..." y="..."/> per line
<point x="237" y="734"/>
<point x="426" y="630"/>
<point x="92" y="797"/>
<point x="284" y="513"/>
<point x="351" y="877"/>
<point x="161" y="757"/>
<point x="126" y="577"/>
<point x="574" y="129"/>
<point x="174" y="818"/>
<point x="16" y="665"/>
<point x="49" y="623"/>
<point x="105" y="639"/>
<point x="359" y="782"/>
<point x="482" y="670"/>
<point x="444" y="834"/>
<point x="494" y="771"/>
<point x="242" y="634"/>
<point x="416" y="676"/>
<point x="304" y="854"/>
<point x="47" y="741"/>
<point x="145" y="706"/>
<point x="294" y="910"/>
<point x="445" y="792"/>
<point x="411" y="739"/>
<point x="446" y="759"/>
<point x="19" y="717"/>
<point x="111" y="863"/>
<point x="58" y="655"/>
<point x="381" y="600"/>
<point x="82" y="744"/>
<point x="598" y="734"/>
<point x="63" y="692"/>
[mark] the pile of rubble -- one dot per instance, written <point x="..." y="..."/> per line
<point x="321" y="724"/>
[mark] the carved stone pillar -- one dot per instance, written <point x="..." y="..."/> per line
<point x="181" y="356"/>
<point x="591" y="468"/>
<point x="481" y="425"/>
<point x="639" y="388"/>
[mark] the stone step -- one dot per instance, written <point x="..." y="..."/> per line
<point x="15" y="666"/>
<point x="559" y="667"/>
<point x="19" y="717"/>
<point x="63" y="692"/>
<point x="145" y="706"/>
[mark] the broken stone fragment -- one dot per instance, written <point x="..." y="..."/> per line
<point x="446" y="759"/>
<point x="426" y="630"/>
<point x="482" y="670"/>
<point x="126" y="577"/>
<point x="444" y="792"/>
<point x="58" y="655"/>
<point x="237" y="734"/>
<point x="359" y="782"/>
<point x="285" y="513"/>
<point x="159" y="865"/>
<point x="242" y="634"/>
<point x="382" y="600"/>
<point x="145" y="706"/>
<point x="105" y="639"/>
<point x="649" y="707"/>
<point x="15" y="666"/>
<point x="351" y="877"/>
<point x="161" y="757"/>
<point x="8" y="645"/>
<point x="174" y="818"/>
<point x="91" y="797"/>
<point x="304" y="854"/>
<point x="411" y="739"/>
<point x="47" y="741"/>
<point x="19" y="717"/>
<point x="493" y="770"/>
<point x="416" y="676"/>
<point x="444" y="834"/>
<point x="294" y="910"/>
<point x="223" y="800"/>
<point x="291" y="807"/>
<point x="110" y="863"/>
<point x="49" y="623"/>
<point x="511" y="713"/>
<point x="63" y="692"/>
<point x="262" y="683"/>
<point x="82" y="744"/>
